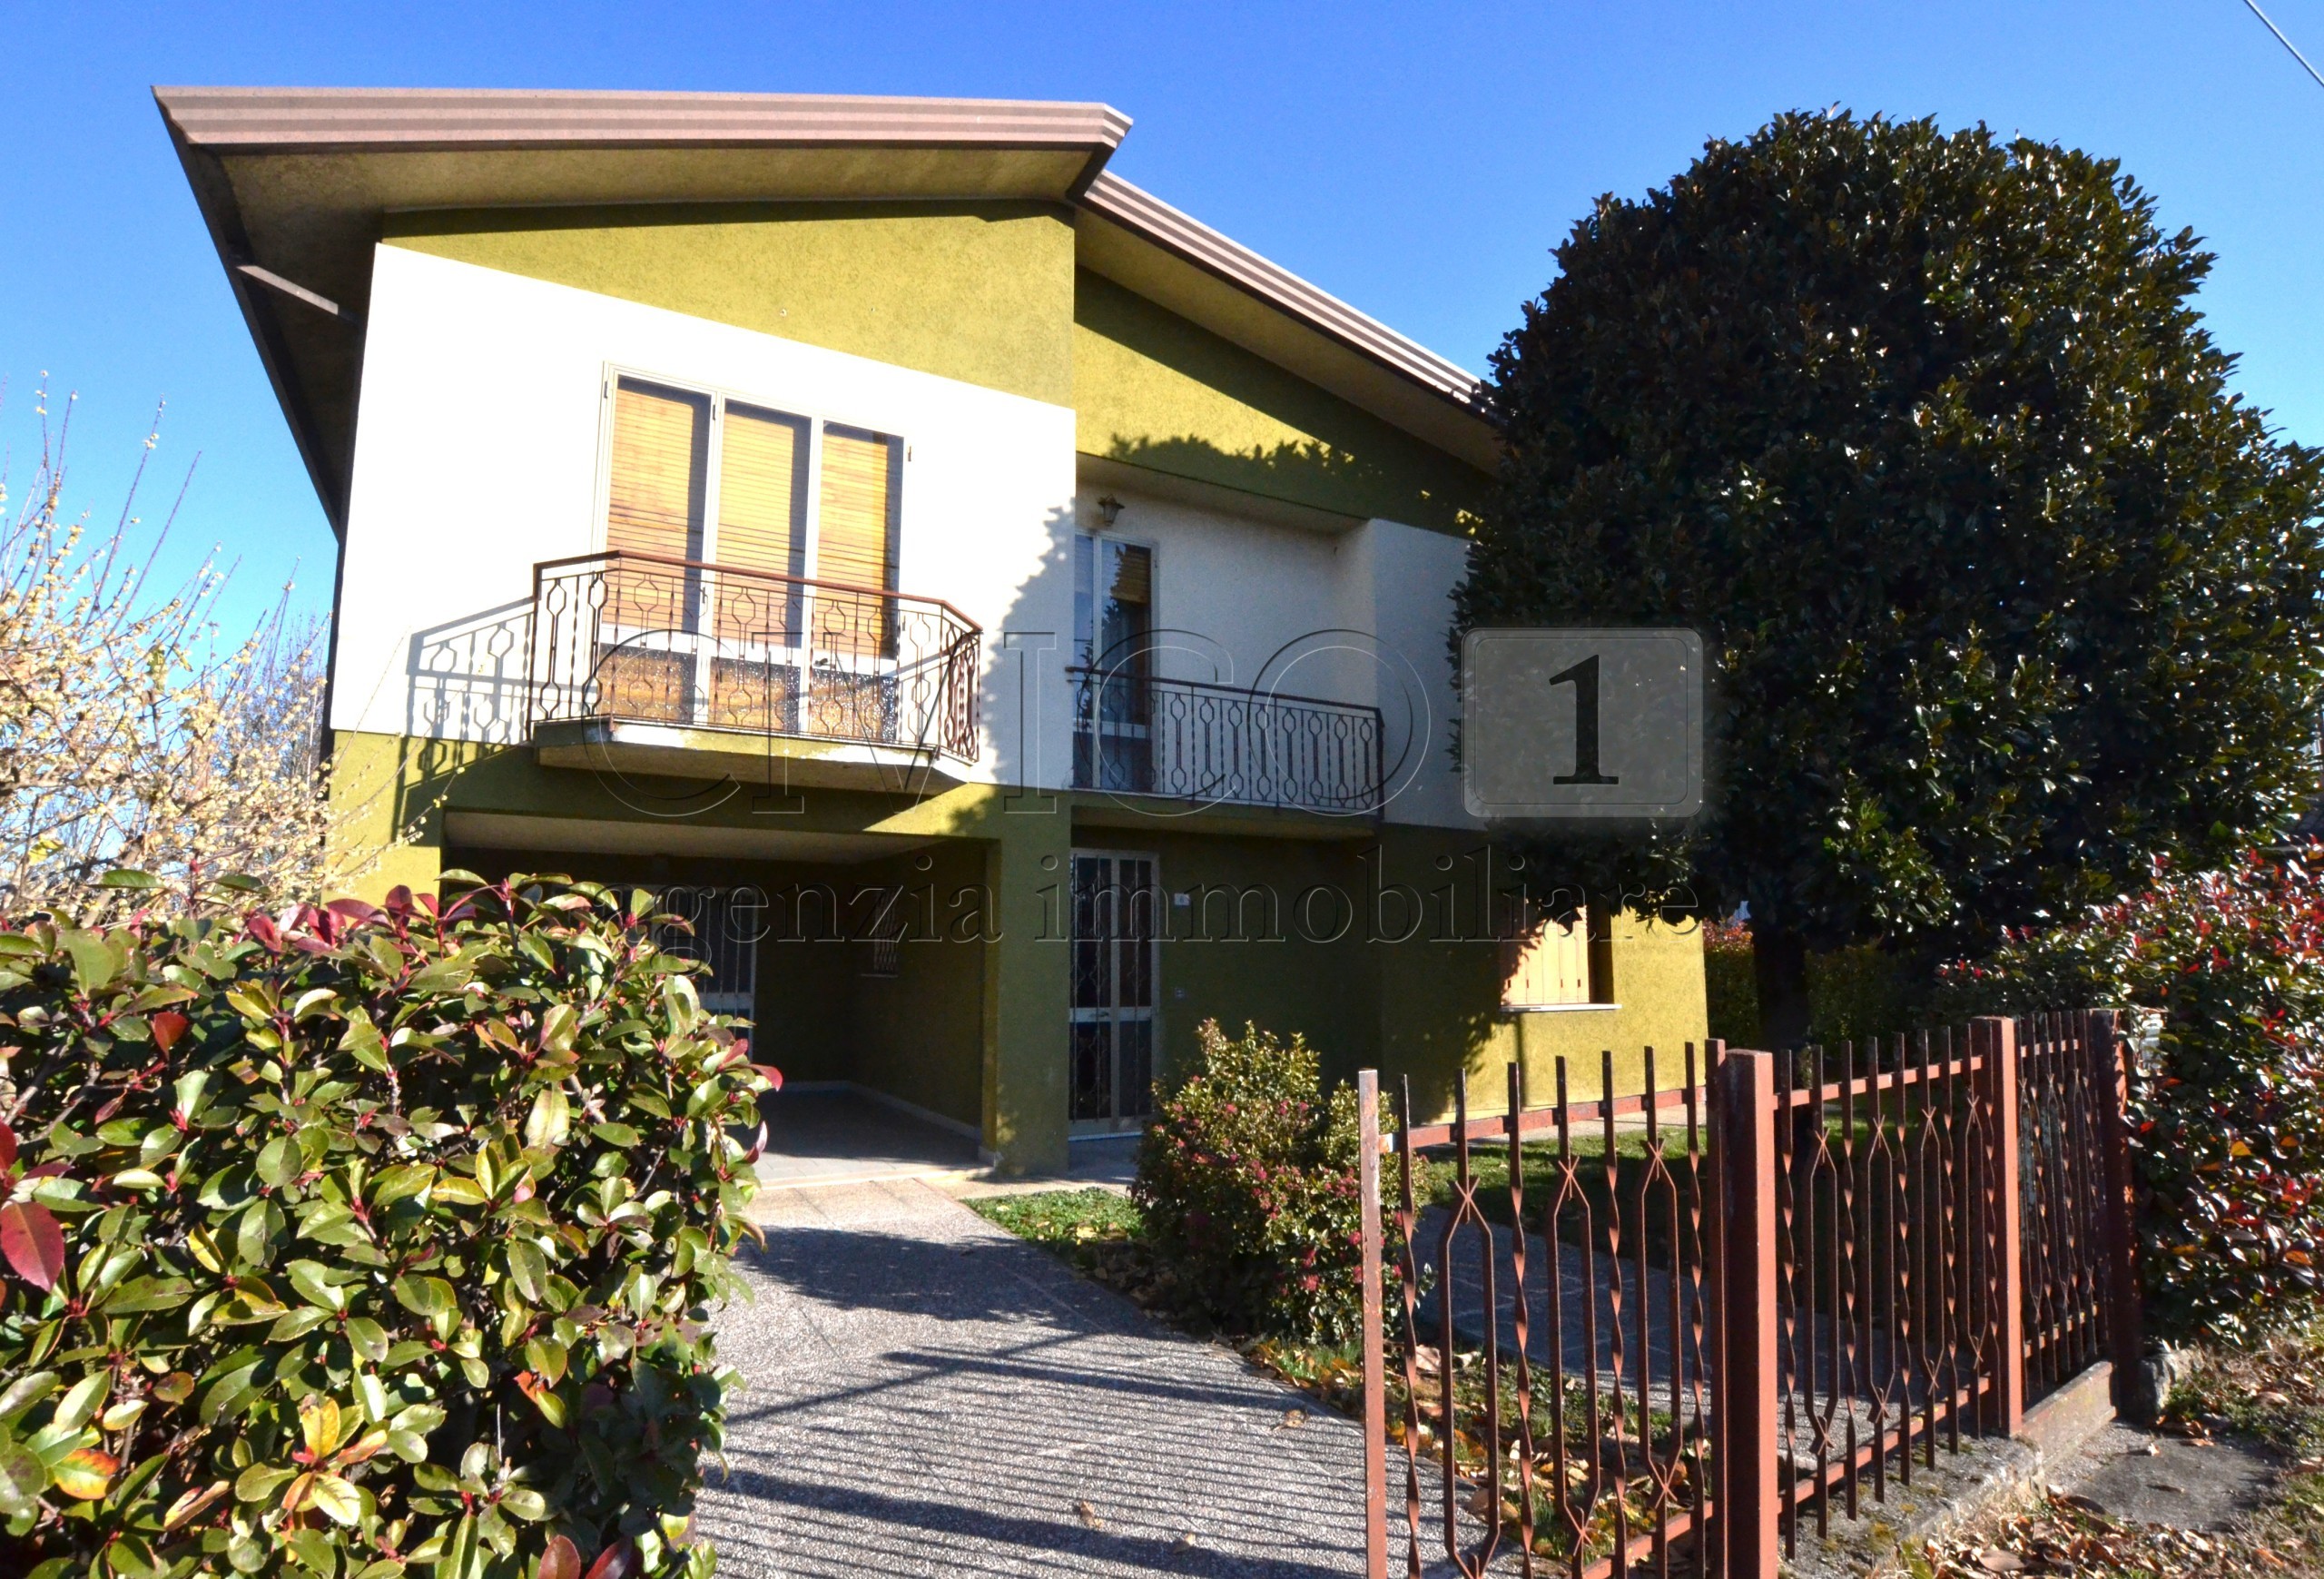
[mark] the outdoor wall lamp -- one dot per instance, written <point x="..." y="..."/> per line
<point x="1109" y="510"/>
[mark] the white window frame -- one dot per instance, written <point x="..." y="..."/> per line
<point x="719" y="395"/>
<point x="701" y="648"/>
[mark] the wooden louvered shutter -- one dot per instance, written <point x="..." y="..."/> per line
<point x="659" y="467"/>
<point x="761" y="521"/>
<point x="654" y="504"/>
<point x="1548" y="966"/>
<point x="854" y="535"/>
<point x="763" y="490"/>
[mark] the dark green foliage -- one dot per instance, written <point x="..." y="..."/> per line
<point x="1247" y="1184"/>
<point x="1731" y="995"/>
<point x="1860" y="991"/>
<point x="387" y="1238"/>
<point x="1854" y="992"/>
<point x="2228" y="1113"/>
<point x="2006" y="593"/>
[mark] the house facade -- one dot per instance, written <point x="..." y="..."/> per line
<point x="1009" y="617"/>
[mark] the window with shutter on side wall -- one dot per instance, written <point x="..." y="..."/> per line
<point x="1553" y="966"/>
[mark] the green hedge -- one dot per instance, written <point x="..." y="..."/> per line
<point x="351" y="1240"/>
<point x="1852" y="994"/>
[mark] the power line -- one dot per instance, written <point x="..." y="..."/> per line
<point x="2286" y="43"/>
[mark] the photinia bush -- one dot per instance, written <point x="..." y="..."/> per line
<point x="2229" y="1114"/>
<point x="347" y="1240"/>
<point x="1247" y="1182"/>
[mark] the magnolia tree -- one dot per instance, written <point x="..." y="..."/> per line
<point x="2005" y="591"/>
<point x="134" y="734"/>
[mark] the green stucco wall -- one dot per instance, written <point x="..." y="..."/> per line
<point x="974" y="1027"/>
<point x="919" y="1034"/>
<point x="982" y="292"/>
<point x="1412" y="987"/>
<point x="1152" y="389"/>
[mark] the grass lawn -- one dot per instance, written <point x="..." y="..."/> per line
<point x="1100" y="1235"/>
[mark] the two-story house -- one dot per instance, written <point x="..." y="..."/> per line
<point x="1010" y="615"/>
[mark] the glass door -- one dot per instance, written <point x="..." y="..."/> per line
<point x="1116" y="915"/>
<point x="1113" y="617"/>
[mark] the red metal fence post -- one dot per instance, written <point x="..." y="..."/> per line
<point x="1746" y="1506"/>
<point x="1994" y="1039"/>
<point x="2110" y="1059"/>
<point x="1375" y="1377"/>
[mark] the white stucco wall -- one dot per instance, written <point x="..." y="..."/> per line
<point x="1354" y="617"/>
<point x="477" y="455"/>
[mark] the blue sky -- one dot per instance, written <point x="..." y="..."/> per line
<point x="1418" y="160"/>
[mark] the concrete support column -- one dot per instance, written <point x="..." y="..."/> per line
<point x="1028" y="986"/>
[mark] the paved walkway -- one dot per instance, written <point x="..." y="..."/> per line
<point x="929" y="1395"/>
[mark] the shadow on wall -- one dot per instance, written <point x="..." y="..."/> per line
<point x="468" y="677"/>
<point x="1024" y="679"/>
<point x="1314" y="474"/>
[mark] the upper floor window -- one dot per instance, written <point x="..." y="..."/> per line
<point x="695" y="476"/>
<point x="1113" y="604"/>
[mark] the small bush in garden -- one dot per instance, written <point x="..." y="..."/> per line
<point x="355" y="1239"/>
<point x="2228" y="1115"/>
<point x="1247" y="1184"/>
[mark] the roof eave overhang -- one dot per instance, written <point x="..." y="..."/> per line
<point x="303" y="283"/>
<point x="495" y="149"/>
<point x="1136" y="237"/>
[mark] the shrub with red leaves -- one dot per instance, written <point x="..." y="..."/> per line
<point x="362" y="1240"/>
<point x="2229" y="1113"/>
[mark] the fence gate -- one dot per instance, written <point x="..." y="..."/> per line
<point x="1666" y="1331"/>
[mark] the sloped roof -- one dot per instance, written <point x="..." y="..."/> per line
<point x="293" y="183"/>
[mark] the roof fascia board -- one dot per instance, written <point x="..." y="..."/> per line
<point x="337" y="120"/>
<point x="1151" y="220"/>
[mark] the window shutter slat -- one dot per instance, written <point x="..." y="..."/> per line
<point x="761" y="491"/>
<point x="854" y="531"/>
<point x="660" y="453"/>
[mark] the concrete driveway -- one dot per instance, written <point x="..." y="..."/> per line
<point x="929" y="1395"/>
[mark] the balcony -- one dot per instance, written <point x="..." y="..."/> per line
<point x="674" y="666"/>
<point x="1224" y="745"/>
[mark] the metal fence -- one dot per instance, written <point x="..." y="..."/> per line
<point x="1664" y="1331"/>
<point x="642" y="639"/>
<point x="1223" y="744"/>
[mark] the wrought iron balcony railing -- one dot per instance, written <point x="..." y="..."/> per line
<point x="1136" y="734"/>
<point x="637" y="638"/>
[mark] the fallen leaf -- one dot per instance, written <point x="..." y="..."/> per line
<point x="1998" y="1560"/>
<point x="1088" y="1512"/>
<point x="1293" y="1419"/>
